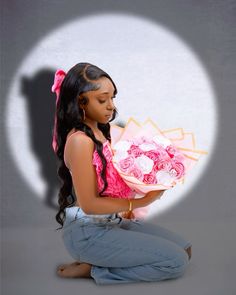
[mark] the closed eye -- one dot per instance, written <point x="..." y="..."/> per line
<point x="103" y="101"/>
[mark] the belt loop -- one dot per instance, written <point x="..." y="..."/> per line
<point x="76" y="214"/>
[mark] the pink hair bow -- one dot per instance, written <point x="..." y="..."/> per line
<point x="58" y="79"/>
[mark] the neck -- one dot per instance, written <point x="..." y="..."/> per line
<point x="92" y="124"/>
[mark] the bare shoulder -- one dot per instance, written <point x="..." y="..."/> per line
<point x="78" y="144"/>
<point x="79" y="138"/>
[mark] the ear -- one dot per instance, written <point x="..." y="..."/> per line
<point x="81" y="101"/>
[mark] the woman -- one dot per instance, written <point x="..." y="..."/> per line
<point x="106" y="245"/>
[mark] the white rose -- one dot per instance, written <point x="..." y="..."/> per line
<point x="145" y="164"/>
<point x="120" y="155"/>
<point x="147" y="146"/>
<point x="164" y="177"/>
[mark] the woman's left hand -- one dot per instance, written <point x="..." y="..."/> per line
<point x="127" y="214"/>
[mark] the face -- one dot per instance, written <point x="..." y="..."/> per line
<point x="101" y="105"/>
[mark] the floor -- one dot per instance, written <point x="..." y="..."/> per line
<point x="31" y="255"/>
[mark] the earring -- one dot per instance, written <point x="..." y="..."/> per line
<point x="84" y="117"/>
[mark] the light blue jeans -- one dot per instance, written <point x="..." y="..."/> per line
<point x="121" y="250"/>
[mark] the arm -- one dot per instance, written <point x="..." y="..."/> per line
<point x="79" y="153"/>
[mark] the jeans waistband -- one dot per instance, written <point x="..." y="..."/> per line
<point x="73" y="213"/>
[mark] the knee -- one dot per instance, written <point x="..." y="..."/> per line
<point x="176" y="266"/>
<point x="180" y="264"/>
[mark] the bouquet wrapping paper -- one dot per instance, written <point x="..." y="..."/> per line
<point x="148" y="158"/>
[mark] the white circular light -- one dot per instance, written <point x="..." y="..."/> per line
<point x="157" y="75"/>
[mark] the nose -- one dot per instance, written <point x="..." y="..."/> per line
<point x="111" y="105"/>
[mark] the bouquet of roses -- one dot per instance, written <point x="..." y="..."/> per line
<point x="150" y="159"/>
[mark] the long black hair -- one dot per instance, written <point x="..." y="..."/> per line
<point x="78" y="80"/>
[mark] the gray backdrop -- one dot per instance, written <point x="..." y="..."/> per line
<point x="31" y="248"/>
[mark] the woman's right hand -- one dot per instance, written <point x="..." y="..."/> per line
<point x="152" y="196"/>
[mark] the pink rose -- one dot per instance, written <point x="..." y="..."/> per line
<point x="153" y="155"/>
<point x="126" y="164"/>
<point x="149" y="178"/>
<point x="135" y="151"/>
<point x="137" y="173"/>
<point x="164" y="165"/>
<point x="179" y="157"/>
<point x="171" y="150"/>
<point x="178" y="168"/>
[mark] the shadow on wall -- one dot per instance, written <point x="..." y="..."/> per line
<point x="41" y="103"/>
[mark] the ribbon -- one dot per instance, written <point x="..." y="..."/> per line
<point x="58" y="79"/>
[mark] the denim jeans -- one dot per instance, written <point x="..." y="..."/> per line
<point x="121" y="250"/>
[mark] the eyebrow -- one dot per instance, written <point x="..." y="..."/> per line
<point x="106" y="93"/>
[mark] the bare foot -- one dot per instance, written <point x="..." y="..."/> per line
<point x="63" y="266"/>
<point x="189" y="251"/>
<point x="74" y="270"/>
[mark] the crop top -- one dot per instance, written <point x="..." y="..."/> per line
<point x="116" y="188"/>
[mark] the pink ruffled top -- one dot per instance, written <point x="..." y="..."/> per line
<point x="116" y="188"/>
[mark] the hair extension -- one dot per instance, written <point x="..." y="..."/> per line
<point x="79" y="79"/>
